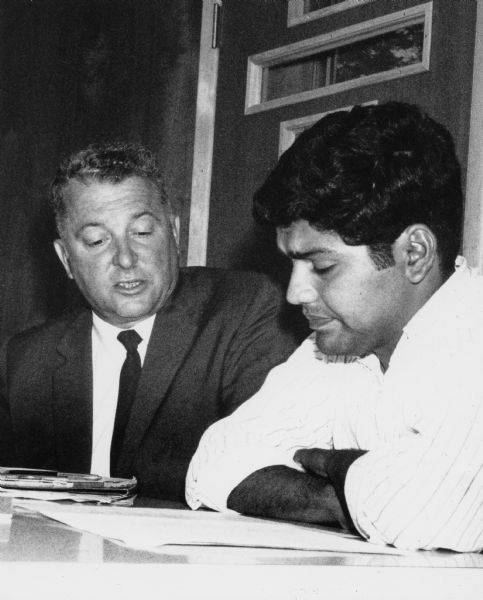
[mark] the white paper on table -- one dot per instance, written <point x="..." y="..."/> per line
<point x="152" y="528"/>
<point x="59" y="495"/>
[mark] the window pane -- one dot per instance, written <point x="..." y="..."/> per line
<point x="392" y="50"/>
<point x="297" y="76"/>
<point x="311" y="5"/>
<point x="389" y="51"/>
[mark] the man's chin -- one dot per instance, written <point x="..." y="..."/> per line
<point x="322" y="343"/>
<point x="339" y="347"/>
<point x="127" y="316"/>
<point x="329" y="346"/>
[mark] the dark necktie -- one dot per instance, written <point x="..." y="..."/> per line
<point x="128" y="381"/>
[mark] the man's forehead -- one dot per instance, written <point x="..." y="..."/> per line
<point x="86" y="184"/>
<point x="302" y="238"/>
<point x="80" y="195"/>
<point x="102" y="203"/>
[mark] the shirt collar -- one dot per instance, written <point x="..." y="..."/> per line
<point x="448" y="295"/>
<point x="107" y="332"/>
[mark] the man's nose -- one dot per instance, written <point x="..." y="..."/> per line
<point x="300" y="289"/>
<point x="124" y="255"/>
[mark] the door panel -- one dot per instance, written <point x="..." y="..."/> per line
<point x="246" y="146"/>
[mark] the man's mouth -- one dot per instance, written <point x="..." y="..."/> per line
<point x="130" y="286"/>
<point x="317" y="322"/>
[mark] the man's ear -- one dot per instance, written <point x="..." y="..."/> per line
<point x="63" y="255"/>
<point x="174" y="220"/>
<point x="419" y="251"/>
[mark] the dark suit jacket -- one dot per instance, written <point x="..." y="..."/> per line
<point x="211" y="347"/>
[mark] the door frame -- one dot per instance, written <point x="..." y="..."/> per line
<point x="473" y="221"/>
<point x="204" y="134"/>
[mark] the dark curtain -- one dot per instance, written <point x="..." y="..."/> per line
<point x="74" y="72"/>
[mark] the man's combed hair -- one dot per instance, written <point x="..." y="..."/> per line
<point x="367" y="174"/>
<point x="110" y="162"/>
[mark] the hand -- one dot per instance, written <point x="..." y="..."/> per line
<point x="333" y="466"/>
<point x="280" y="492"/>
<point x="315" y="460"/>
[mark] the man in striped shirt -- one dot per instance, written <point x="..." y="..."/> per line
<point x="375" y="423"/>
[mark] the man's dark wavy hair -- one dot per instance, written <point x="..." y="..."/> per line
<point x="367" y="174"/>
<point x="112" y="162"/>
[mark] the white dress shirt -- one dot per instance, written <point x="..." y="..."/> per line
<point x="420" y="485"/>
<point x="108" y="355"/>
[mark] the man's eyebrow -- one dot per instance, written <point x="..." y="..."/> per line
<point x="135" y="216"/>
<point x="309" y="253"/>
<point x="86" y="225"/>
<point x="145" y="213"/>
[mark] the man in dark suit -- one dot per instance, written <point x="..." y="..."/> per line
<point x="128" y="386"/>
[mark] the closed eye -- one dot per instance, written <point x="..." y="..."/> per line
<point x="323" y="270"/>
<point x="93" y="236"/>
<point x="94" y="243"/>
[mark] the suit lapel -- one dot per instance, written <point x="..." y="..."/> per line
<point x="72" y="397"/>
<point x="175" y="328"/>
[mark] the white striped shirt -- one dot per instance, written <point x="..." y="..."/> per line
<point x="420" y="485"/>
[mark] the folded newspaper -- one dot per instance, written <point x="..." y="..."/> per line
<point x="42" y="484"/>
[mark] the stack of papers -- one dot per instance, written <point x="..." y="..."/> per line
<point x="151" y="529"/>
<point x="48" y="495"/>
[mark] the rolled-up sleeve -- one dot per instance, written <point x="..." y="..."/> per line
<point x="292" y="410"/>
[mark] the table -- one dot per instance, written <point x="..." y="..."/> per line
<point x="41" y="558"/>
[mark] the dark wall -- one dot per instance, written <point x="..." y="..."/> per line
<point x="74" y="72"/>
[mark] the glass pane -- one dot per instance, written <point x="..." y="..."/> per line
<point x="311" y="5"/>
<point x="294" y="77"/>
<point x="392" y="50"/>
<point x="389" y="51"/>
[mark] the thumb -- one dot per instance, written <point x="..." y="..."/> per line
<point x="312" y="459"/>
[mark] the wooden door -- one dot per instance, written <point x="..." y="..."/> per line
<point x="247" y="140"/>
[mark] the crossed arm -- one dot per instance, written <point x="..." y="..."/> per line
<point x="313" y="496"/>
